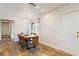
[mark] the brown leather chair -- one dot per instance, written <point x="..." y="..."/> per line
<point x="35" y="41"/>
<point x="22" y="41"/>
<point x="21" y="38"/>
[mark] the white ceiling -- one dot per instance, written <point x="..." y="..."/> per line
<point x="49" y="6"/>
<point x="25" y="9"/>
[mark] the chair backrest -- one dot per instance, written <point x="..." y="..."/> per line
<point x="19" y="37"/>
<point x="35" y="39"/>
<point x="22" y="39"/>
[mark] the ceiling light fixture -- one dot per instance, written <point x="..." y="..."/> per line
<point x="37" y="7"/>
<point x="42" y="10"/>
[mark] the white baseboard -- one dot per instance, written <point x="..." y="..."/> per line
<point x="56" y="48"/>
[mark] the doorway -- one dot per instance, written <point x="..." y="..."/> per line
<point x="7" y="29"/>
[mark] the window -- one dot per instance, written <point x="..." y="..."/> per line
<point x="33" y="28"/>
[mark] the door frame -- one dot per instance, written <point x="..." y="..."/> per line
<point x="11" y="27"/>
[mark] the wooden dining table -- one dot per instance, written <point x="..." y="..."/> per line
<point x="24" y="38"/>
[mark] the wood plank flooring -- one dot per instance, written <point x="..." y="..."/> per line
<point x="10" y="48"/>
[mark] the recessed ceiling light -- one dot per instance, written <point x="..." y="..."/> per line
<point x="37" y="7"/>
<point x="42" y="10"/>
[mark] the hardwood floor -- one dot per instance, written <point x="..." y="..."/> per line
<point x="10" y="48"/>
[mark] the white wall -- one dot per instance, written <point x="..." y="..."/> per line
<point x="20" y="26"/>
<point x="51" y="33"/>
<point x="68" y="31"/>
<point x="0" y="29"/>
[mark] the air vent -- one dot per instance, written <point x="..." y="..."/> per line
<point x="32" y="4"/>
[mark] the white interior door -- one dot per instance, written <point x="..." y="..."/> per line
<point x="69" y="29"/>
